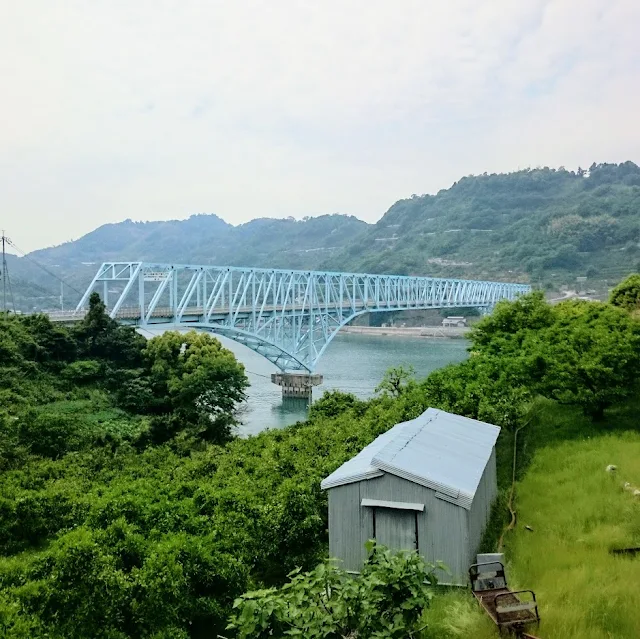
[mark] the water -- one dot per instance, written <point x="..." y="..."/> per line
<point x="352" y="363"/>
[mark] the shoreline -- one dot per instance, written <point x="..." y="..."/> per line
<point x="424" y="332"/>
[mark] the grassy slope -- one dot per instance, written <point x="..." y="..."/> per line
<point x="578" y="512"/>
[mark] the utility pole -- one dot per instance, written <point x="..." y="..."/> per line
<point x="4" y="276"/>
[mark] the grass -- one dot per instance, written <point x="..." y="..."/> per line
<point x="578" y="513"/>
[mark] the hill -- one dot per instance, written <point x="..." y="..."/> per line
<point x="207" y="239"/>
<point x="545" y="226"/>
<point x="201" y="239"/>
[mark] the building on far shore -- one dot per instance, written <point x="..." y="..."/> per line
<point x="454" y="321"/>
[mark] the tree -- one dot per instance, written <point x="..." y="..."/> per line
<point x="334" y="403"/>
<point x="589" y="357"/>
<point x="387" y="600"/>
<point x="100" y="337"/>
<point x="52" y="346"/>
<point x="582" y="353"/>
<point x="395" y="380"/>
<point x="196" y="384"/>
<point x="48" y="434"/>
<point x="505" y="327"/>
<point x="627" y="294"/>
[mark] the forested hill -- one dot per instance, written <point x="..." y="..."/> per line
<point x="201" y="239"/>
<point x="543" y="225"/>
<point x="207" y="239"/>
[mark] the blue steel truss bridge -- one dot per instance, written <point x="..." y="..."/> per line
<point x="289" y="317"/>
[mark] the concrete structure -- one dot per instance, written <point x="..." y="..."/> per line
<point x="296" y="384"/>
<point x="425" y="485"/>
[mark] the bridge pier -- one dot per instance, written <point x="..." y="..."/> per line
<point x="296" y="384"/>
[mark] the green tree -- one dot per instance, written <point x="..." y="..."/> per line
<point x="506" y="326"/>
<point x="334" y="403"/>
<point x="627" y="294"/>
<point x="52" y="346"/>
<point x="48" y="434"/>
<point x="387" y="600"/>
<point x="197" y="384"/>
<point x="395" y="380"/>
<point x="100" y="337"/>
<point x="589" y="357"/>
<point x="578" y="352"/>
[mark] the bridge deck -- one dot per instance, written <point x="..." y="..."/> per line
<point x="288" y="316"/>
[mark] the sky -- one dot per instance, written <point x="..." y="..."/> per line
<point x="159" y="109"/>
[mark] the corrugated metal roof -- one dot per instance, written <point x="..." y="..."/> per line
<point x="445" y="452"/>
<point x="359" y="467"/>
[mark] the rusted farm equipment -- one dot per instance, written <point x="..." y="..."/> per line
<point x="512" y="611"/>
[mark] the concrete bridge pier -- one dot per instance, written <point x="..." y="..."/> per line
<point x="296" y="384"/>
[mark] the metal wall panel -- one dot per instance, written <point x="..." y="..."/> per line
<point x="442" y="527"/>
<point x="345" y="526"/>
<point x="480" y="511"/>
<point x="439" y="450"/>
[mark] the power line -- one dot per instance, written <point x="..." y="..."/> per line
<point x="44" y="268"/>
<point x="258" y="374"/>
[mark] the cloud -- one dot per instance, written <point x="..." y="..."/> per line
<point x="157" y="109"/>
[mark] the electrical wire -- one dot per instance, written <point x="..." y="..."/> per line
<point x="44" y="268"/>
<point x="38" y="287"/>
<point x="258" y="374"/>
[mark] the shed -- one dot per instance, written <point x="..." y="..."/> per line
<point x="427" y="485"/>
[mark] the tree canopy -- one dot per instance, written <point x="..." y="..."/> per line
<point x="197" y="383"/>
<point x="128" y="509"/>
<point x="627" y="294"/>
<point x="540" y="225"/>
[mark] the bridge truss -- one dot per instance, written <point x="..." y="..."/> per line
<point x="289" y="317"/>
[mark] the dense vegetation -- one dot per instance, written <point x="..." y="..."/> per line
<point x="386" y="600"/>
<point x="128" y="510"/>
<point x="543" y="226"/>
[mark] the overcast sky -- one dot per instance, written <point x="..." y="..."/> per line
<point x="157" y="109"/>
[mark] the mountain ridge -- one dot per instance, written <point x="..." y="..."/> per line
<point x="544" y="226"/>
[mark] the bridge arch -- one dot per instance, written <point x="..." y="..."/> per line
<point x="289" y="317"/>
<point x="278" y="356"/>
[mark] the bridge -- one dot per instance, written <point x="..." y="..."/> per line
<point x="288" y="316"/>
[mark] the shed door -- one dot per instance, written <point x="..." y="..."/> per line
<point x="396" y="529"/>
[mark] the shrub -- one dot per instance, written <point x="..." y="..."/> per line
<point x="387" y="600"/>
